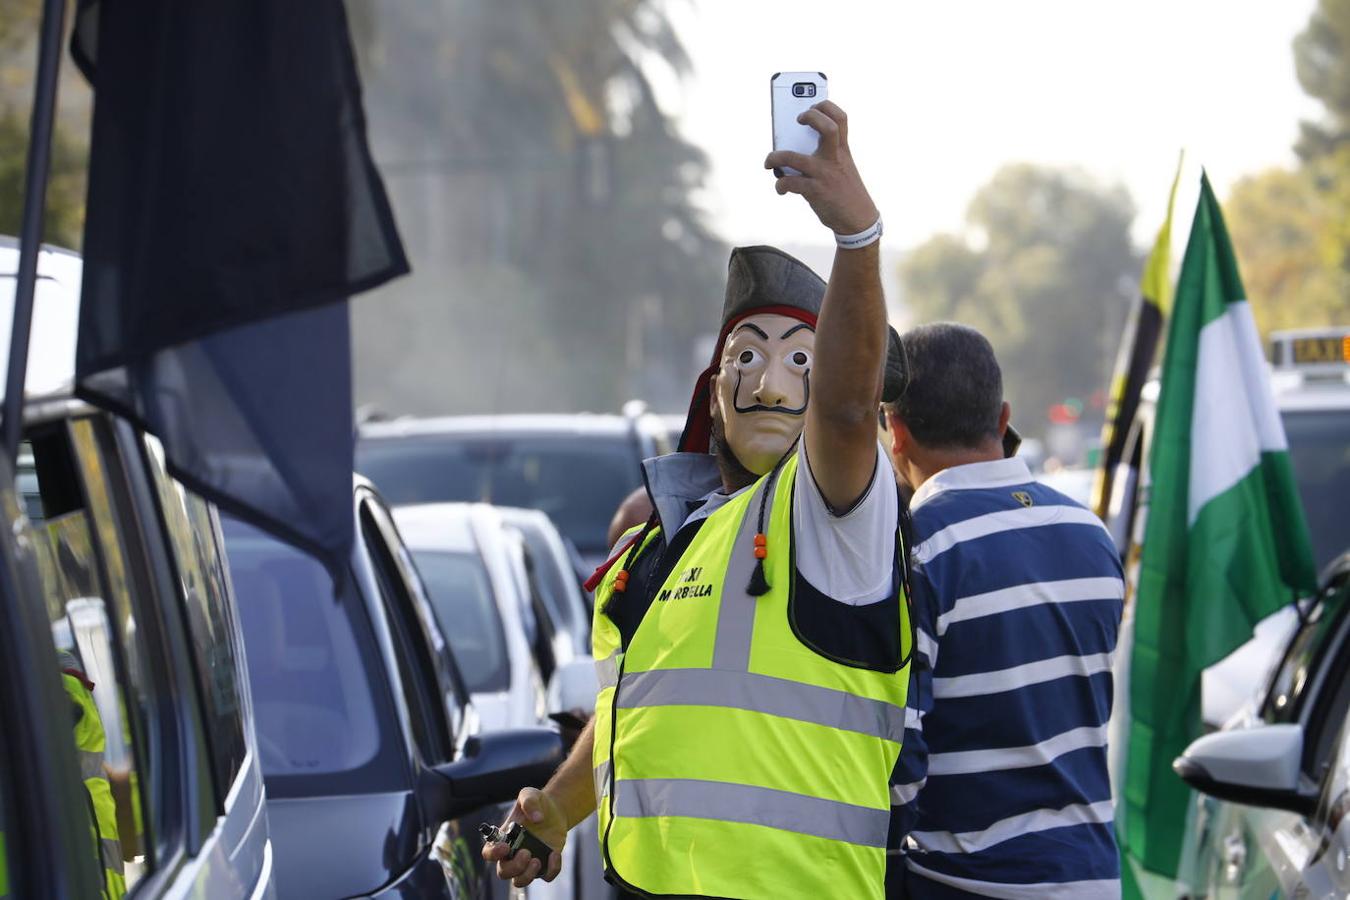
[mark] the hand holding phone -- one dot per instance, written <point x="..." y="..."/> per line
<point x="790" y="95"/>
<point x="822" y="169"/>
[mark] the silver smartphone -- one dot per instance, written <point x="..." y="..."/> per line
<point x="790" y="95"/>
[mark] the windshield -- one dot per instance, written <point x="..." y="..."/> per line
<point x="1319" y="449"/>
<point x="578" y="481"/>
<point x="308" y="669"/>
<point x="462" y="599"/>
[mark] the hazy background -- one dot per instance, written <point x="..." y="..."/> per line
<point x="569" y="175"/>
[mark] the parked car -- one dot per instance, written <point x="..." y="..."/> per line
<point x="1277" y="818"/>
<point x="476" y="565"/>
<point x="561" y="603"/>
<point x="377" y="771"/>
<point x="130" y="761"/>
<point x="576" y="468"/>
<point x="471" y="564"/>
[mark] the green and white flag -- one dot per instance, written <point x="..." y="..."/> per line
<point x="1225" y="544"/>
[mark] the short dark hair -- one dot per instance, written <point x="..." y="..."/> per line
<point x="953" y="397"/>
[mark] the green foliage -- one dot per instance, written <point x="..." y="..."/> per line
<point x="1047" y="274"/>
<point x="537" y="182"/>
<point x="1291" y="227"/>
<point x="63" y="223"/>
<point x="1322" y="61"/>
<point x="1291" y="233"/>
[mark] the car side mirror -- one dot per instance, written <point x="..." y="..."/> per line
<point x="492" y="769"/>
<point x="1253" y="766"/>
<point x="573" y="687"/>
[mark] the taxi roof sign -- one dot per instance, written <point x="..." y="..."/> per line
<point x="1311" y="349"/>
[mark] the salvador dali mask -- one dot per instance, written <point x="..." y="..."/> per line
<point x="762" y="387"/>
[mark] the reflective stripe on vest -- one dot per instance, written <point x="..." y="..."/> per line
<point x="731" y="739"/>
<point x="607" y="670"/>
<point x="800" y="813"/>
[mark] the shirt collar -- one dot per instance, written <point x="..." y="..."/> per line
<point x="992" y="474"/>
<point x="677" y="480"/>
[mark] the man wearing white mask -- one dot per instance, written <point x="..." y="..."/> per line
<point x="752" y="639"/>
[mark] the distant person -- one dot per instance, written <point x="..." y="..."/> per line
<point x="90" y="743"/>
<point x="635" y="509"/>
<point x="1002" y="786"/>
<point x="752" y="638"/>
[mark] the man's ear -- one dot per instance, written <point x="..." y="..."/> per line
<point x="900" y="436"/>
<point x="1004" y="416"/>
<point x="712" y="394"/>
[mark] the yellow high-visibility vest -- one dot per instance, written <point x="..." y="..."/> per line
<point x="90" y="742"/>
<point x="731" y="759"/>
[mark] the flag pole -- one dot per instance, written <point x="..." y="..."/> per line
<point x="34" y="200"/>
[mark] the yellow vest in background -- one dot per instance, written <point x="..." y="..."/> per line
<point x="732" y="760"/>
<point x="90" y="742"/>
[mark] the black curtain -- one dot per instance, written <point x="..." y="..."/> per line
<point x="233" y="208"/>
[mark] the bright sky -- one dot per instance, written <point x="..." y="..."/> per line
<point x="940" y="93"/>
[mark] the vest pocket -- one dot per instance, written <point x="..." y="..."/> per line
<point x="864" y="637"/>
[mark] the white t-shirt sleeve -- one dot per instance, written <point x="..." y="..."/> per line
<point x="850" y="557"/>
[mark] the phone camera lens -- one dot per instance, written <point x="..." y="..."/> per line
<point x="799" y="90"/>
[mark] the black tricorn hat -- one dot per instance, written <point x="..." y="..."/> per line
<point x="762" y="278"/>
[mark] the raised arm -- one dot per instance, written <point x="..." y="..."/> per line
<point x="850" y="348"/>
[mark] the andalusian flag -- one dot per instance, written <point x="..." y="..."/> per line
<point x="1225" y="543"/>
<point x="1140" y="344"/>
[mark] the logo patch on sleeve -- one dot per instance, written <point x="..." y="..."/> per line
<point x="1023" y="498"/>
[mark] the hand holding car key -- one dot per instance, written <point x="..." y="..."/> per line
<point x="516" y="837"/>
<point x="524" y="854"/>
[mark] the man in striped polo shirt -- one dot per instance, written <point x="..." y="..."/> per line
<point x="1001" y="789"/>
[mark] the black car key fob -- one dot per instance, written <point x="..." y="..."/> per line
<point x="516" y="837"/>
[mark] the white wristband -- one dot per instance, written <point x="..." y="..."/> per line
<point x="862" y="238"/>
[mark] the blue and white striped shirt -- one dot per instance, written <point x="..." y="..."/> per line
<point x="1001" y="787"/>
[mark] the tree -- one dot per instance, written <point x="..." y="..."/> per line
<point x="1291" y="227"/>
<point x="63" y="223"/>
<point x="1322" y="62"/>
<point x="533" y="172"/>
<point x="1291" y="233"/>
<point x="1046" y="272"/>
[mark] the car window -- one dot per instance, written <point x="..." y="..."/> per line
<point x="100" y="654"/>
<point x="577" y="481"/>
<point x="1319" y="451"/>
<point x="311" y="663"/>
<point x="552" y="573"/>
<point x="546" y="627"/>
<point x="1283" y="701"/>
<point x="194" y="537"/>
<point x="417" y="669"/>
<point x="1327" y="708"/>
<point x="462" y="598"/>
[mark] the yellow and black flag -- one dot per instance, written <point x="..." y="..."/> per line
<point x="1118" y="472"/>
